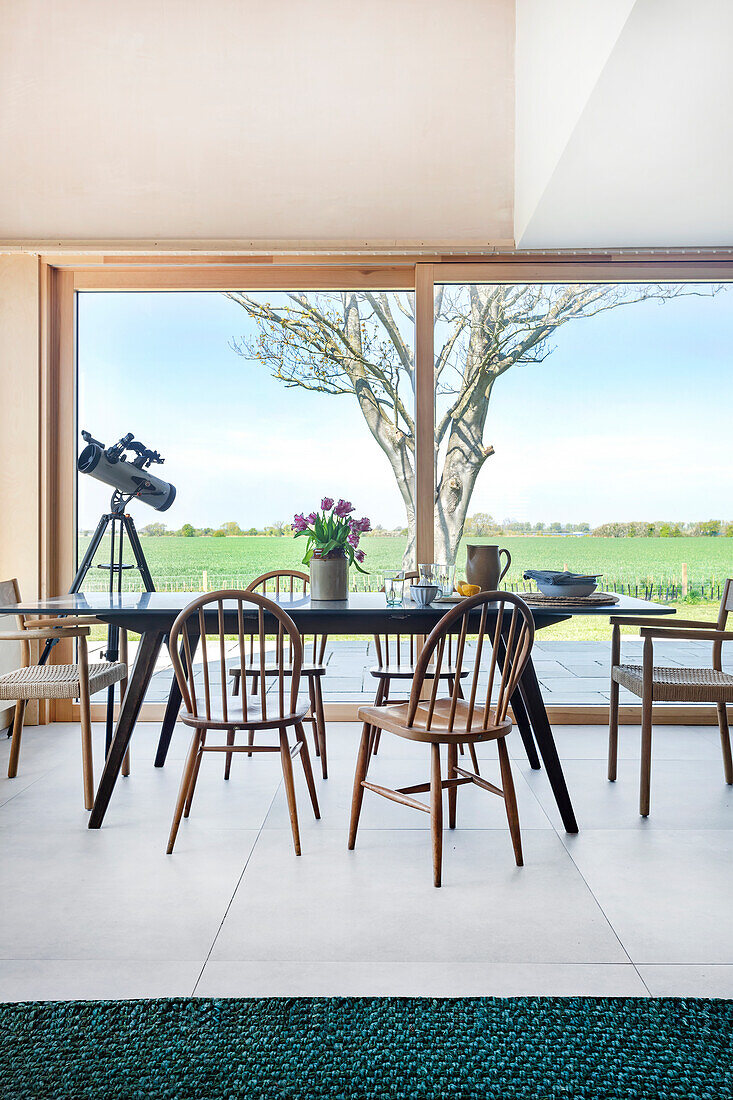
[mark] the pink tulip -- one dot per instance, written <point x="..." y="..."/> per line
<point x="299" y="523"/>
<point x="343" y="508"/>
<point x="327" y="504"/>
<point x="352" y="538"/>
<point x="359" y="555"/>
<point x="312" y="517"/>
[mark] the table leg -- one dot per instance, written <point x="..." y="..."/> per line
<point x="147" y="655"/>
<point x="532" y="696"/>
<point x="525" y="728"/>
<point x="172" y="708"/>
<point x="520" y="714"/>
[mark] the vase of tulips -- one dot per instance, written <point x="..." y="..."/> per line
<point x="332" y="547"/>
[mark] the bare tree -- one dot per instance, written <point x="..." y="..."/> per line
<point x="359" y="344"/>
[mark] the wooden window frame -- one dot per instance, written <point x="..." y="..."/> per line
<point x="63" y="275"/>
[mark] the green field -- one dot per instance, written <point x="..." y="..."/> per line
<point x="179" y="564"/>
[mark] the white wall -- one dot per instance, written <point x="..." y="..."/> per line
<point x="378" y="121"/>
<point x="649" y="160"/>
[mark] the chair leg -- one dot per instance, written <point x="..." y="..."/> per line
<point x="85" y="717"/>
<point x="195" y="775"/>
<point x="510" y="800"/>
<point x="250" y="740"/>
<point x="613" y="732"/>
<point x="17" y="734"/>
<point x="313" y="718"/>
<point x="287" y="764"/>
<point x="228" y="756"/>
<point x="474" y="758"/>
<point x="646" y="754"/>
<point x="384" y="685"/>
<point x="125" y="770"/>
<point x="308" y="770"/>
<point x="235" y="683"/>
<point x="183" y="789"/>
<point x="362" y="764"/>
<point x="725" y="742"/>
<point x="436" y="813"/>
<point x="452" y="791"/>
<point x="373" y="731"/>
<point x="321" y="725"/>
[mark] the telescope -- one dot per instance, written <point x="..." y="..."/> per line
<point x="129" y="477"/>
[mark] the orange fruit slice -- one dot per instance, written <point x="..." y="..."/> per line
<point x="467" y="589"/>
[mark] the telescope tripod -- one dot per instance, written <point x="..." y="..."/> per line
<point x="120" y="523"/>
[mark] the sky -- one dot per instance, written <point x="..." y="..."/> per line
<point x="627" y="419"/>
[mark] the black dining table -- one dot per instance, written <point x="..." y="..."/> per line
<point x="152" y="614"/>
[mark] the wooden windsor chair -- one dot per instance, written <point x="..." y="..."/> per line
<point x="254" y="712"/>
<point x="450" y="721"/>
<point x="286" y="582"/>
<point x="680" y="685"/>
<point x="396" y="663"/>
<point x="79" y="681"/>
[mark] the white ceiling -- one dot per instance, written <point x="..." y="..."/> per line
<point x="378" y="123"/>
<point x="647" y="159"/>
<point x="369" y="122"/>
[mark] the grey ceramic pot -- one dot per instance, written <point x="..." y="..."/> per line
<point x="329" y="578"/>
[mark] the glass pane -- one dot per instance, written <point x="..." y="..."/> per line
<point x="261" y="405"/>
<point x="585" y="427"/>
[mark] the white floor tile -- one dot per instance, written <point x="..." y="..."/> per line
<point x="82" y="979"/>
<point x="667" y="893"/>
<point x="437" y="979"/>
<point x="378" y="902"/>
<point x="670" y="980"/>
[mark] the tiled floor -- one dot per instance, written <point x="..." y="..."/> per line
<point x="625" y="907"/>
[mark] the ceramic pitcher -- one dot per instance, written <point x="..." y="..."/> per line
<point x="483" y="565"/>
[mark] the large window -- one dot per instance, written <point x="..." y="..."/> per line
<point x="578" y="425"/>
<point x="261" y="404"/>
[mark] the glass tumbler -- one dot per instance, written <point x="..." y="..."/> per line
<point x="445" y="576"/>
<point x="394" y="587"/>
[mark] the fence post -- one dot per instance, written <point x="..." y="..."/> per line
<point x="205" y="581"/>
<point x="684" y="580"/>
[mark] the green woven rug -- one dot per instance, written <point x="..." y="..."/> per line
<point x="465" y="1049"/>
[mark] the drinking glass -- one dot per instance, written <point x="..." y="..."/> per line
<point x="445" y="576"/>
<point x="428" y="573"/>
<point x="394" y="587"/>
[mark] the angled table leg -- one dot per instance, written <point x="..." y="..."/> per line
<point x="533" y="701"/>
<point x="520" y="714"/>
<point x="172" y="708"/>
<point x="525" y="728"/>
<point x="147" y="655"/>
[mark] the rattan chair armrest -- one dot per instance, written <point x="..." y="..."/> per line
<point x="710" y="635"/>
<point x="68" y="620"/>
<point x="633" y="620"/>
<point x="36" y="635"/>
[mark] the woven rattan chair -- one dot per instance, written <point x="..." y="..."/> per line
<point x="290" y="583"/>
<point x="215" y="711"/>
<point x="654" y="683"/>
<point x="454" y="720"/>
<point x="77" y="681"/>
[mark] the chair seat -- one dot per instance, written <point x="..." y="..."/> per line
<point x="236" y="720"/>
<point x="681" y="685"/>
<point x="59" y="681"/>
<point x="394" y="719"/>
<point x="254" y="670"/>
<point x="407" y="672"/>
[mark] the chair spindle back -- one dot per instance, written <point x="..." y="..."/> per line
<point x="289" y="584"/>
<point x="229" y="612"/>
<point x="504" y="636"/>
